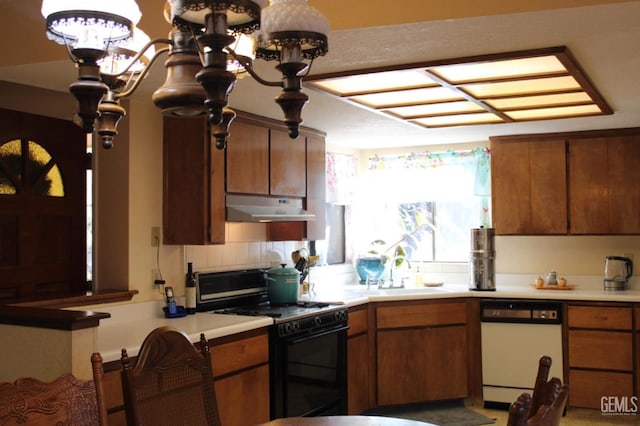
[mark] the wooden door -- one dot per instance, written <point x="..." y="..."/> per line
<point x="43" y="164"/>
<point x="248" y="159"/>
<point x="588" y="186"/>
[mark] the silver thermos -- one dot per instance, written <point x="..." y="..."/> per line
<point x="482" y="273"/>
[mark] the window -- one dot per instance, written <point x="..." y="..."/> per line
<point x="425" y="202"/>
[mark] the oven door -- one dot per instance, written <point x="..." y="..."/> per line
<point x="309" y="374"/>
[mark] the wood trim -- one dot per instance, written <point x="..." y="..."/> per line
<point x="57" y="319"/>
<point x="273" y="124"/>
<point x="569" y="135"/>
<point x="105" y="296"/>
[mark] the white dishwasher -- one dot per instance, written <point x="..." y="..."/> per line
<point x="515" y="334"/>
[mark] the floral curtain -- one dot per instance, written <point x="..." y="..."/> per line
<point x="341" y="177"/>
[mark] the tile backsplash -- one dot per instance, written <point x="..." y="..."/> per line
<point x="245" y="248"/>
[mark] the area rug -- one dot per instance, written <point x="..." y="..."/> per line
<point x="448" y="413"/>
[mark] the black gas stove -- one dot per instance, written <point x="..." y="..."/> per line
<point x="245" y="293"/>
<point x="307" y="342"/>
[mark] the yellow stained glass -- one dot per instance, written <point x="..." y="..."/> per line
<point x="44" y="177"/>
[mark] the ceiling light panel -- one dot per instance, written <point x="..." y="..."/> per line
<point x="407" y="97"/>
<point x="376" y="82"/>
<point x="496" y="88"/>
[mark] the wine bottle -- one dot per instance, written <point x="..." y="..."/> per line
<point x="190" y="290"/>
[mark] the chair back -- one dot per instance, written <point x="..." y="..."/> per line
<point x="546" y="406"/>
<point x="171" y="382"/>
<point x="66" y="401"/>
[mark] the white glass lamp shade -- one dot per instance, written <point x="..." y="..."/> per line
<point x="119" y="57"/>
<point x="90" y="23"/>
<point x="242" y="15"/>
<point x="292" y="15"/>
<point x="285" y="23"/>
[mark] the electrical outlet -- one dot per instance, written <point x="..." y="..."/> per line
<point x="155" y="236"/>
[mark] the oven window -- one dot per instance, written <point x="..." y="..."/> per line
<point x="315" y="375"/>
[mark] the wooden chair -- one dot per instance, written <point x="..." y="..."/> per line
<point x="66" y="401"/>
<point x="171" y="382"/>
<point x="546" y="406"/>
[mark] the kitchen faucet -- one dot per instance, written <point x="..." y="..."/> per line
<point x="393" y="266"/>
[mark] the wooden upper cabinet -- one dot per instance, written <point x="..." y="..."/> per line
<point x="574" y="183"/>
<point x="248" y="159"/>
<point x="288" y="165"/>
<point x="605" y="185"/>
<point x="529" y="192"/>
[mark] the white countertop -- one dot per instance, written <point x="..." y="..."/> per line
<point x="127" y="329"/>
<point x="130" y="323"/>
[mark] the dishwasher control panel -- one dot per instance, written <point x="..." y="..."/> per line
<point x="521" y="311"/>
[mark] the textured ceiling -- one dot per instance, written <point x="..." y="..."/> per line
<point x="602" y="37"/>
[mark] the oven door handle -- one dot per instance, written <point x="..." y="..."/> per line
<point x="316" y="335"/>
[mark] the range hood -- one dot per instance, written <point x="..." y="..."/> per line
<point x="249" y="208"/>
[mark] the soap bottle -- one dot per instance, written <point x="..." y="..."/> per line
<point x="190" y="290"/>
<point x="419" y="282"/>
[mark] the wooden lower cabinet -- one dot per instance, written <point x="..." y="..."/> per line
<point x="241" y="379"/>
<point x="422" y="352"/>
<point x="601" y="362"/>
<point x="358" y="355"/>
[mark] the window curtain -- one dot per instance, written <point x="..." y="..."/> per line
<point x="341" y="177"/>
<point x="414" y="176"/>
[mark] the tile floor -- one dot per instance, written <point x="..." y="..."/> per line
<point x="574" y="417"/>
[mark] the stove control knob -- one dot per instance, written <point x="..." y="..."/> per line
<point x="287" y="328"/>
<point x="340" y="315"/>
<point x="295" y="326"/>
<point x="317" y="321"/>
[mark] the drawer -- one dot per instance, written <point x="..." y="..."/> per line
<point x="239" y="354"/>
<point x="601" y="349"/>
<point x="604" y="317"/>
<point x="586" y="388"/>
<point x="424" y="314"/>
<point x="358" y="322"/>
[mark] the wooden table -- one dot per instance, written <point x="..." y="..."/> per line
<point x="345" y="421"/>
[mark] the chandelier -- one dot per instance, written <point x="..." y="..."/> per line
<point x="211" y="44"/>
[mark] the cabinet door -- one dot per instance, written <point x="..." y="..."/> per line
<point x="243" y="398"/>
<point x="288" y="165"/>
<point x="193" y="184"/>
<point x="589" y="188"/>
<point x="248" y="159"/>
<point x="624" y="185"/>
<point x="529" y="194"/>
<point x="422" y="364"/>
<point x="358" y="373"/>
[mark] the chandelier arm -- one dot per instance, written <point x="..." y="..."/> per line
<point x="143" y="73"/>
<point x="141" y="53"/>
<point x="249" y="68"/>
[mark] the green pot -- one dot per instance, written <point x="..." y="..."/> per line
<point x="283" y="285"/>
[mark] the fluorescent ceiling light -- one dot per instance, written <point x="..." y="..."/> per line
<point x="540" y="84"/>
